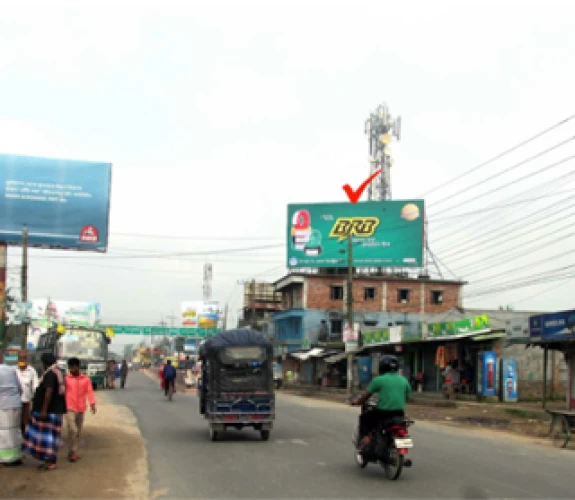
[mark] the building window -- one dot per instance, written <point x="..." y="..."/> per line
<point x="336" y="293"/>
<point x="336" y="327"/>
<point x="437" y="297"/>
<point x="403" y="296"/>
<point x="369" y="293"/>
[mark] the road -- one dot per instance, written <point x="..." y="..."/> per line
<point x="309" y="455"/>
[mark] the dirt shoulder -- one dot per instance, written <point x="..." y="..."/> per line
<point x="526" y="422"/>
<point x="114" y="462"/>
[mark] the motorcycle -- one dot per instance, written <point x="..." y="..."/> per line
<point x="387" y="445"/>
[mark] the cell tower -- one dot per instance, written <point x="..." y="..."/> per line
<point x="207" y="282"/>
<point x="380" y="127"/>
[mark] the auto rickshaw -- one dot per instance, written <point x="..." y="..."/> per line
<point x="237" y="386"/>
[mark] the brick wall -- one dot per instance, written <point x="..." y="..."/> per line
<point x="386" y="298"/>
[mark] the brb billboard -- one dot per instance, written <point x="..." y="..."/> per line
<point x="384" y="234"/>
<point x="65" y="204"/>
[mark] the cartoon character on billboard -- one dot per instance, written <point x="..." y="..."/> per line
<point x="304" y="237"/>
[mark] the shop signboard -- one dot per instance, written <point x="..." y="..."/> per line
<point x="65" y="204"/>
<point x="385" y="234"/>
<point x="509" y="380"/>
<point x="553" y="326"/>
<point x="351" y="337"/>
<point x="487" y="373"/>
<point x="459" y="328"/>
<point x="200" y="314"/>
<point x="412" y="332"/>
<point x="517" y="328"/>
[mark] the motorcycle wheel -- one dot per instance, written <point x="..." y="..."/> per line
<point x="395" y="465"/>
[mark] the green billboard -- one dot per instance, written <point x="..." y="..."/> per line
<point x="384" y="233"/>
<point x="159" y="330"/>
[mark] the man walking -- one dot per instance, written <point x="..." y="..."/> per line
<point x="29" y="381"/>
<point x="123" y="374"/>
<point x="78" y="389"/>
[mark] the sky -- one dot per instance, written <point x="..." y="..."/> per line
<point x="216" y="115"/>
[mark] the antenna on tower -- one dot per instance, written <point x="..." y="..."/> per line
<point x="207" y="282"/>
<point x="380" y="128"/>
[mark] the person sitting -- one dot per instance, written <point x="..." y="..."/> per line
<point x="393" y="391"/>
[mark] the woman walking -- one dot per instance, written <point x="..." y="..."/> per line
<point x="10" y="416"/>
<point x="44" y="433"/>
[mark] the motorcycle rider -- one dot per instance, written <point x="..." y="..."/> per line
<point x="393" y="391"/>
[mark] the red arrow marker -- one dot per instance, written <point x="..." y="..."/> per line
<point x="354" y="196"/>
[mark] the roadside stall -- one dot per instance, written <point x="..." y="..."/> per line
<point x="556" y="331"/>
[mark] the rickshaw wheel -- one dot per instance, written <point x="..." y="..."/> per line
<point x="265" y="435"/>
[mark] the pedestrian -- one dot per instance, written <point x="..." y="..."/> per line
<point x="161" y="376"/>
<point x="29" y="381"/>
<point x="44" y="432"/>
<point x="123" y="374"/>
<point x="10" y="416"/>
<point x="78" y="389"/>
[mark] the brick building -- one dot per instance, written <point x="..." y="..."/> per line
<point x="314" y="305"/>
<point x="260" y="302"/>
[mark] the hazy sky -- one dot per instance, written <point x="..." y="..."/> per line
<point x="216" y="115"/>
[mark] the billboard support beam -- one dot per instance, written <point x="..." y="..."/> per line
<point x="350" y="309"/>
<point x="24" y="342"/>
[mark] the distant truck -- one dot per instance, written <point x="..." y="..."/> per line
<point x="89" y="345"/>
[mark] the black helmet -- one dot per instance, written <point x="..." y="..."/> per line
<point x="388" y="363"/>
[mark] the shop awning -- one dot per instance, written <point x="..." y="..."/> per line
<point x="489" y="336"/>
<point x="303" y="356"/>
<point x="336" y="358"/>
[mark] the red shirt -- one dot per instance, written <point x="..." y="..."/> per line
<point x="77" y="390"/>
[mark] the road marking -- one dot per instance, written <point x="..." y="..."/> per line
<point x="299" y="441"/>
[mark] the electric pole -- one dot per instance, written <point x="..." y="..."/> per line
<point x="24" y="343"/>
<point x="225" y="317"/>
<point x="253" y="294"/>
<point x="350" y="310"/>
<point x="3" y="292"/>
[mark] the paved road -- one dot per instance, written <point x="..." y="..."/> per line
<point x="309" y="455"/>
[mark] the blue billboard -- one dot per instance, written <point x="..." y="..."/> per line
<point x="65" y="204"/>
<point x="553" y="326"/>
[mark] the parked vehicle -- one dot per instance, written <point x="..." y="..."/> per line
<point x="387" y="445"/>
<point x="237" y="388"/>
<point x="89" y="345"/>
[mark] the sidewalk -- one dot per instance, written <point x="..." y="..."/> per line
<point x="114" y="462"/>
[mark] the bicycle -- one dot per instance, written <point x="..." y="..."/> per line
<point x="171" y="390"/>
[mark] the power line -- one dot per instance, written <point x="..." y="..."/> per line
<point x="204" y="238"/>
<point x="170" y="255"/>
<point x="527" y="176"/>
<point x="499" y="156"/>
<point x="462" y="253"/>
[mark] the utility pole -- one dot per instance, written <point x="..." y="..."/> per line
<point x="253" y="294"/>
<point x="225" y="317"/>
<point x="24" y="343"/>
<point x="350" y="309"/>
<point x="3" y="292"/>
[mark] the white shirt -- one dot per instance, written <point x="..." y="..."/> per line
<point x="29" y="382"/>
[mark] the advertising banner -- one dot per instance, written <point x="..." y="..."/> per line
<point x="200" y="314"/>
<point x="44" y="313"/>
<point x="459" y="328"/>
<point x="385" y="234"/>
<point x="64" y="203"/>
<point x="553" y="326"/>
<point x="509" y="380"/>
<point x="412" y="332"/>
<point x="488" y="379"/>
<point x="383" y="336"/>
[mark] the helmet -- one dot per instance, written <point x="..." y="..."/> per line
<point x="388" y="363"/>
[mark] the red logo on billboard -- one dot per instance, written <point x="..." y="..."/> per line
<point x="89" y="234"/>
